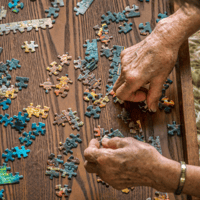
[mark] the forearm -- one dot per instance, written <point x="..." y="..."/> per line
<point x="176" y="28"/>
<point x="167" y="177"/>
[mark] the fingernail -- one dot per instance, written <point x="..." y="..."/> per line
<point x="153" y="107"/>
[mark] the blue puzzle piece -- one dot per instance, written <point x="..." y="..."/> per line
<point x="80" y="64"/>
<point x="91" y="66"/>
<point x="126" y="28"/>
<point x="69" y="169"/>
<point x="115" y="133"/>
<point x="82" y="6"/>
<point x="120" y="16"/>
<point x="70" y="143"/>
<point x="145" y="29"/>
<point x="39" y="129"/>
<point x="27" y="138"/>
<point x="3" y="67"/>
<point x="1" y="194"/>
<point x="13" y="64"/>
<point x="52" y="11"/>
<point x="139" y="138"/>
<point x="174" y="128"/>
<point x="21" y="117"/>
<point x="155" y="143"/>
<point x="4" y="79"/>
<point x="142" y="0"/>
<point x="56" y="2"/>
<point x="9" y="155"/>
<point x="86" y="74"/>
<point x="19" y="125"/>
<point x="52" y="173"/>
<point x="106" y="51"/>
<point x="117" y="50"/>
<point x="93" y="111"/>
<point x="106" y="19"/>
<point x="5" y="104"/>
<point x="116" y="68"/>
<point x="15" y="5"/>
<point x="109" y="88"/>
<point x="92" y="50"/>
<point x="161" y="16"/>
<point x="21" y="83"/>
<point x="53" y="161"/>
<point x="21" y="152"/>
<point x="4" y="118"/>
<point x="132" y="12"/>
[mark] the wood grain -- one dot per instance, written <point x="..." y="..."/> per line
<point x="68" y="35"/>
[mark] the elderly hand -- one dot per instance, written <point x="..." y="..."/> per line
<point x="127" y="162"/>
<point x="149" y="61"/>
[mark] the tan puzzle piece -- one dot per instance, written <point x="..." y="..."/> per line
<point x="54" y="68"/>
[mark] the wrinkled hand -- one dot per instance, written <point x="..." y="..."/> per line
<point x="123" y="162"/>
<point x="149" y="61"/>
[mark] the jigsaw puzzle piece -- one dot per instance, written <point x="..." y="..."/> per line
<point x="65" y="190"/>
<point x="56" y="2"/>
<point x="4" y="79"/>
<point x="102" y="101"/>
<point x="120" y="16"/>
<point x="106" y="19"/>
<point x="69" y="169"/>
<point x="21" y="84"/>
<point x="174" y="128"/>
<point x="3" y="67"/>
<point x="1" y="194"/>
<point x="54" y="68"/>
<point x="80" y="64"/>
<point x="27" y="138"/>
<point x="30" y="46"/>
<point x="145" y="29"/>
<point x="126" y="28"/>
<point x="5" y="118"/>
<point x="82" y="6"/>
<point x="161" y="16"/>
<point x="47" y="85"/>
<point x="2" y="14"/>
<point x="19" y="125"/>
<point x="155" y="143"/>
<point x="9" y="155"/>
<point x="106" y="51"/>
<point x="39" y="128"/>
<point x="52" y="11"/>
<point x="93" y="111"/>
<point x="125" y="116"/>
<point x="64" y="59"/>
<point x="13" y="64"/>
<point x="53" y="161"/>
<point x="15" y="5"/>
<point x="52" y="172"/>
<point x="92" y="50"/>
<point x="132" y="12"/>
<point x="21" y="152"/>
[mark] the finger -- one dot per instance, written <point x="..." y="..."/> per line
<point x="154" y="94"/>
<point x="118" y="83"/>
<point x="114" y="143"/>
<point x="129" y="87"/>
<point x="92" y="152"/>
<point x="137" y="96"/>
<point x="90" y="167"/>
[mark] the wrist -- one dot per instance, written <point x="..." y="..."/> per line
<point x="166" y="175"/>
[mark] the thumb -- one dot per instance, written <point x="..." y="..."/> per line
<point x="114" y="143"/>
<point x="154" y="94"/>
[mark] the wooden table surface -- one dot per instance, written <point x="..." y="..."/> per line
<point x="68" y="35"/>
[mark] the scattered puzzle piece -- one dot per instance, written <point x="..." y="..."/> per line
<point x="92" y="50"/>
<point x="114" y="133"/>
<point x="106" y="19"/>
<point x="53" y="172"/>
<point x="74" y="160"/>
<point x="126" y="28"/>
<point x="60" y="119"/>
<point x="64" y="59"/>
<point x="21" y="152"/>
<point x="132" y="12"/>
<point x="53" y="69"/>
<point x="70" y="144"/>
<point x="125" y="116"/>
<point x="10" y="92"/>
<point x="145" y="29"/>
<point x="174" y="128"/>
<point x="4" y="79"/>
<point x="102" y="101"/>
<point x="15" y="5"/>
<point x="65" y="190"/>
<point x="120" y="16"/>
<point x="47" y="85"/>
<point x="76" y="124"/>
<point x="36" y="111"/>
<point x="69" y="169"/>
<point x="85" y="76"/>
<point x="9" y="156"/>
<point x="19" y="125"/>
<point x="166" y="104"/>
<point x="21" y="117"/>
<point x="1" y="194"/>
<point x="21" y="84"/>
<point x="93" y="111"/>
<point x="52" y="11"/>
<point x="1" y="49"/>
<point x="56" y="2"/>
<point x="106" y="51"/>
<point x="155" y="143"/>
<point x="161" y="16"/>
<point x="13" y="64"/>
<point x="92" y="82"/>
<point x="27" y="138"/>
<point x="54" y="161"/>
<point x="30" y="46"/>
<point x="2" y="14"/>
<point x="4" y="118"/>
<point x="135" y="128"/>
<point x="90" y="95"/>
<point x="3" y="67"/>
<point x="79" y="64"/>
<point x="82" y="6"/>
<point x="39" y="128"/>
<point x="100" y="132"/>
<point x="139" y="138"/>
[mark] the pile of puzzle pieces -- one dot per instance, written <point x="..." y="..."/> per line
<point x="70" y="167"/>
<point x="62" y="87"/>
